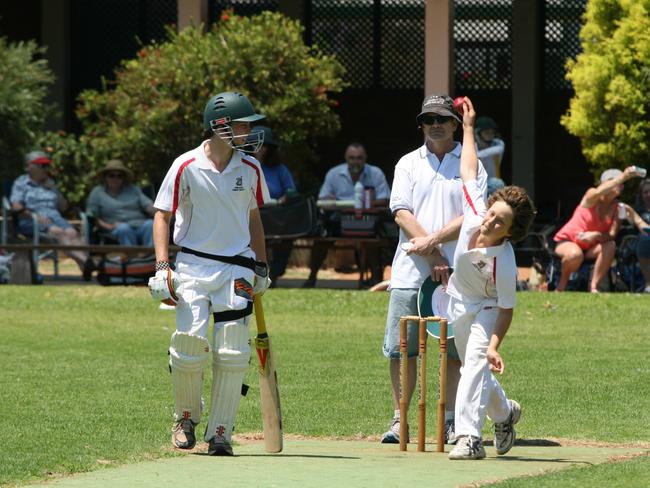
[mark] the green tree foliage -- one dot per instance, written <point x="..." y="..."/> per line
<point x="24" y="82"/>
<point x="153" y="111"/>
<point x="611" y="77"/>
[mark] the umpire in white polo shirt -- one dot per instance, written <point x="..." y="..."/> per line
<point x="427" y="203"/>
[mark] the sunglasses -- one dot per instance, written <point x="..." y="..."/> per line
<point x="434" y="119"/>
<point x="114" y="175"/>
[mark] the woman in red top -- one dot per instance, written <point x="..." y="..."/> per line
<point x="592" y="228"/>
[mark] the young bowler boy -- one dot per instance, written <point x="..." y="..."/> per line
<point x="482" y="291"/>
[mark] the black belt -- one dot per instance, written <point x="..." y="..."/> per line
<point x="260" y="268"/>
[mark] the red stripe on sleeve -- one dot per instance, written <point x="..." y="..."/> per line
<point x="258" y="192"/>
<point x="469" y="200"/>
<point x="177" y="183"/>
<point x="494" y="269"/>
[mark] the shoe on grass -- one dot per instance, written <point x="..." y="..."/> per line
<point x="504" y="432"/>
<point x="391" y="436"/>
<point x="219" y="446"/>
<point x="450" y="432"/>
<point x="183" y="434"/>
<point x="468" y="447"/>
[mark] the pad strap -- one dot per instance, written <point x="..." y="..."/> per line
<point x="230" y="315"/>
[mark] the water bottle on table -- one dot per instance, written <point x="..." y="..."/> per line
<point x="358" y="198"/>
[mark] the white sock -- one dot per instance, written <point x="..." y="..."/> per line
<point x="396" y="414"/>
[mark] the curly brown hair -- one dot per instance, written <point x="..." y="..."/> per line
<point x="523" y="209"/>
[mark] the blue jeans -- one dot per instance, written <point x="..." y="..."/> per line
<point x="134" y="236"/>
<point x="26" y="226"/>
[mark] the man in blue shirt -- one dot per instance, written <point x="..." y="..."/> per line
<point x="339" y="185"/>
<point x="281" y="188"/>
<point x="277" y="175"/>
<point x="35" y="193"/>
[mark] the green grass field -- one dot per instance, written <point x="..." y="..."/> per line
<point x="85" y="382"/>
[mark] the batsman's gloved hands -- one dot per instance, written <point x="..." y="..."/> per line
<point x="163" y="286"/>
<point x="262" y="280"/>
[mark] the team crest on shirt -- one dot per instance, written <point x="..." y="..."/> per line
<point x="238" y="184"/>
<point x="484" y="267"/>
<point x="480" y="265"/>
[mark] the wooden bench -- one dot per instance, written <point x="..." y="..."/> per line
<point x="360" y="245"/>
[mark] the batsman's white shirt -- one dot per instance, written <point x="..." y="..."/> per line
<point x="483" y="276"/>
<point x="432" y="190"/>
<point x="212" y="208"/>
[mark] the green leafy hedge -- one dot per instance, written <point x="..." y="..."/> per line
<point x="153" y="110"/>
<point x="610" y="111"/>
<point x="24" y="82"/>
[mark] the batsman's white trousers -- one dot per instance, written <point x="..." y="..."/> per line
<point x="479" y="392"/>
<point x="208" y="288"/>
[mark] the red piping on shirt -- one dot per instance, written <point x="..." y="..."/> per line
<point x="469" y="200"/>
<point x="177" y="183"/>
<point x="258" y="193"/>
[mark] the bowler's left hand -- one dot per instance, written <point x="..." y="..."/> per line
<point x="495" y="362"/>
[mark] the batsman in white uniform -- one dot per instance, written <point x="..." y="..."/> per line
<point x="482" y="290"/>
<point x="214" y="192"/>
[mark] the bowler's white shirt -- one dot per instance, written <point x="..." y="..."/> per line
<point x="432" y="191"/>
<point x="483" y="275"/>
<point x="212" y="208"/>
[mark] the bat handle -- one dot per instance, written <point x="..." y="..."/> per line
<point x="259" y="314"/>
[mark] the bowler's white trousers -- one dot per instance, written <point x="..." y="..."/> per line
<point x="479" y="393"/>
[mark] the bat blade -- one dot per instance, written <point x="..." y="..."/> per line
<point x="269" y="393"/>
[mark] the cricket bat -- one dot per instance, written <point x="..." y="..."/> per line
<point x="269" y="394"/>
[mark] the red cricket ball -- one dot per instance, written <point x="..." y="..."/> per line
<point x="458" y="104"/>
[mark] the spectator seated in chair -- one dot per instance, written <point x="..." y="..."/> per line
<point x="281" y="188"/>
<point x="120" y="208"/>
<point x="590" y="232"/>
<point x="35" y="193"/>
<point x="339" y="185"/>
<point x="640" y="218"/>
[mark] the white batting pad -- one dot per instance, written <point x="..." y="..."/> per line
<point x="188" y="356"/>
<point x="231" y="355"/>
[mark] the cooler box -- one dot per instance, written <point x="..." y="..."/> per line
<point x="359" y="224"/>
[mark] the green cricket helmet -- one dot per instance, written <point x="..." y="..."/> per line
<point x="485" y="122"/>
<point x="227" y="107"/>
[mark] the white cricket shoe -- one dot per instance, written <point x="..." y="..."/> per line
<point x="183" y="434"/>
<point x="468" y="447"/>
<point x="504" y="432"/>
<point x="391" y="436"/>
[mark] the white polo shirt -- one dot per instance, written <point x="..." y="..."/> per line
<point x="485" y="275"/>
<point x="432" y="191"/>
<point x="212" y="208"/>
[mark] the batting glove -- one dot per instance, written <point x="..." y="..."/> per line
<point x="163" y="286"/>
<point x="262" y="280"/>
